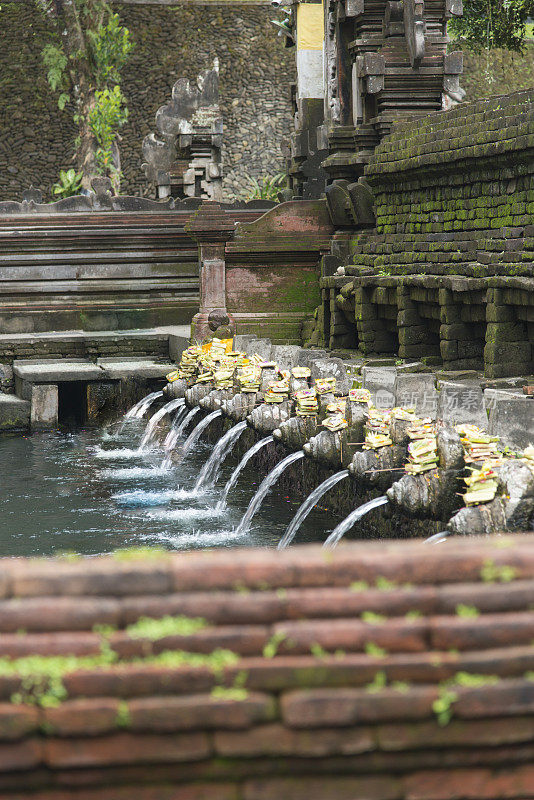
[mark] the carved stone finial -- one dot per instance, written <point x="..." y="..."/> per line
<point x="414" y="28"/>
<point x="187" y="149"/>
<point x="103" y="190"/>
<point x="32" y="195"/>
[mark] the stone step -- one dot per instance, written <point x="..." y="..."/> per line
<point x="156" y="343"/>
<point x="14" y="413"/>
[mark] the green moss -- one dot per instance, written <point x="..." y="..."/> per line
<point x="140" y="553"/>
<point x="153" y="629"/>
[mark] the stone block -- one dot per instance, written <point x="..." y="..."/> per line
<point x="286" y="355"/>
<point x="380" y="381"/>
<point x="243" y="340"/>
<point x="178" y="342"/>
<point x="461" y="402"/>
<point x="44" y="405"/>
<point x="14" y="413"/>
<point x="262" y="347"/>
<point x="307" y="356"/>
<point x="512" y="418"/>
<point x="417" y="391"/>
<point x="332" y="368"/>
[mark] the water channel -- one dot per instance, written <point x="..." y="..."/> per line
<point x="92" y="491"/>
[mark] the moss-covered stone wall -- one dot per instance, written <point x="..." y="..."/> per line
<point x="171" y="41"/>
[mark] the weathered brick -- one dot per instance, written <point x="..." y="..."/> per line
<point x="56" y="614"/>
<point x="95" y="576"/>
<point x="458" y="733"/>
<point x="277" y="740"/>
<point x="346" y="634"/>
<point x="319" y="788"/>
<point x="24" y="755"/>
<point x="337" y="707"/>
<point x="138" y="680"/>
<point x="82" y="717"/>
<point x="17" y="721"/>
<point x="474" y="784"/>
<point x="198" y="712"/>
<point x="486" y="631"/>
<point x="16" y="645"/>
<point x="125" y="748"/>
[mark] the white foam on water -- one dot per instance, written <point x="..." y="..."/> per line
<point x="133" y="473"/>
<point x="202" y="538"/>
<point x="184" y="515"/>
<point x="118" y="454"/>
<point x="141" y="497"/>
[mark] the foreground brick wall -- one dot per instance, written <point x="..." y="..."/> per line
<point x="338" y="660"/>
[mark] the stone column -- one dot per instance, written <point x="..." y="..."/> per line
<point x="211" y="229"/>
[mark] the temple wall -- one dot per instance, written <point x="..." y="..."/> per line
<point x="447" y="272"/>
<point x="273" y="675"/>
<point x="171" y="41"/>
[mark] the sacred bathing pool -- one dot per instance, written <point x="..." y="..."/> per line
<point x="267" y="485"/>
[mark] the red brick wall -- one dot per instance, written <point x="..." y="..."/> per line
<point x="338" y="661"/>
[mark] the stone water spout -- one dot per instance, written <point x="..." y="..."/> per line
<point x="307" y="506"/>
<point x="196" y="393"/>
<point x="177" y="388"/>
<point x="329" y="447"/>
<point x="434" y="493"/>
<point x="349" y="522"/>
<point x="241" y="405"/>
<point x="221" y="505"/>
<point x="263" y="489"/>
<point x="210" y="470"/>
<point x="378" y="468"/>
<point x="266" y="417"/>
<point x="511" y="510"/>
<point x="214" y="400"/>
<point x="295" y="431"/>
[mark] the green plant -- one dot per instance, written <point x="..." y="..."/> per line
<point x="375" y="650"/>
<point x="123" y="719"/>
<point x="442" y="706"/>
<point x="492" y="573"/>
<point x="111" y="47"/>
<point x="413" y="614"/>
<point x="469" y="612"/>
<point x="266" y="188"/>
<point x="384" y="584"/>
<point x="271" y="648"/>
<point x="318" y="651"/>
<point x="140" y="553"/>
<point x="359" y="586"/>
<point x="372" y="618"/>
<point x="378" y="683"/>
<point x="69" y="184"/>
<point x="83" y="60"/>
<point x="153" y="629"/>
<point x="486" y="24"/>
<point x="108" y="114"/>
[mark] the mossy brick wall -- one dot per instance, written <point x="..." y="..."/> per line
<point x="447" y="274"/>
<point x="456" y="193"/>
<point x="171" y="41"/>
<point x="387" y="670"/>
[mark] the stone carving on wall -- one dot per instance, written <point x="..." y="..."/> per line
<point x="184" y="158"/>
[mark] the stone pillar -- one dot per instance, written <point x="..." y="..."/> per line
<point x="211" y="229"/>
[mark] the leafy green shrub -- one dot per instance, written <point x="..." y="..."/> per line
<point x="69" y="184"/>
